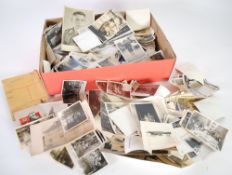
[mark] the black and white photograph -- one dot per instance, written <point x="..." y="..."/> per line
<point x="106" y="123"/>
<point x="53" y="43"/>
<point x="74" y="20"/>
<point x="194" y="144"/>
<point x="86" y="144"/>
<point x="130" y="49"/>
<point x="109" y="25"/>
<point x="68" y="63"/>
<point x="86" y="60"/>
<point x="24" y="136"/>
<point x="93" y="162"/>
<point x="206" y="130"/>
<point x="62" y="156"/>
<point x="113" y="106"/>
<point x="72" y="116"/>
<point x="185" y="119"/>
<point x="145" y="112"/>
<point x="106" y="62"/>
<point x="73" y="91"/>
<point x="118" y="89"/>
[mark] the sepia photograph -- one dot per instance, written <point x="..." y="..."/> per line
<point x="130" y="49"/>
<point x="102" y="85"/>
<point x="72" y="116"/>
<point x="145" y="112"/>
<point x="94" y="101"/>
<point x="86" y="144"/>
<point x="145" y="90"/>
<point x="62" y="156"/>
<point x="118" y="89"/>
<point x="73" y="21"/>
<point x="109" y="25"/>
<point x="73" y="90"/>
<point x="93" y="162"/>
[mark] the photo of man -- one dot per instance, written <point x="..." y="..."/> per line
<point x="78" y="19"/>
<point x="73" y="21"/>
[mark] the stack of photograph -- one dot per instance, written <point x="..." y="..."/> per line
<point x="84" y="40"/>
<point x="158" y="121"/>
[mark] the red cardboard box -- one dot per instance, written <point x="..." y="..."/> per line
<point x="147" y="71"/>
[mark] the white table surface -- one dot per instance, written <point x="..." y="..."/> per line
<point x="199" y="31"/>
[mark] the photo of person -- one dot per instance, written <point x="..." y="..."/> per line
<point x="72" y="116"/>
<point x="130" y="49"/>
<point x="85" y="144"/>
<point x="73" y="90"/>
<point x="115" y="88"/>
<point x="93" y="162"/>
<point x="146" y="112"/>
<point x="74" y="20"/>
<point x="109" y="25"/>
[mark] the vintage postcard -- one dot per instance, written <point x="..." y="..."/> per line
<point x="93" y="162"/>
<point x="145" y="111"/>
<point x="73" y="90"/>
<point x="73" y="21"/>
<point x="130" y="49"/>
<point x="206" y="130"/>
<point x="85" y="144"/>
<point x="109" y="25"/>
<point x="62" y="156"/>
<point x="72" y="116"/>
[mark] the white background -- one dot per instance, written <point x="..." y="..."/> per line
<point x="199" y="31"/>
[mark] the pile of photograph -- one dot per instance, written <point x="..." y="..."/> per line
<point x="84" y="40"/>
<point x="159" y="122"/>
